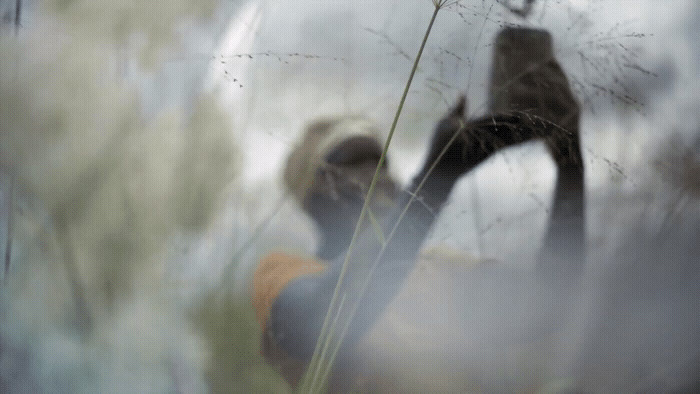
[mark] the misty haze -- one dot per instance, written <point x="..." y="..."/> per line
<point x="183" y="196"/>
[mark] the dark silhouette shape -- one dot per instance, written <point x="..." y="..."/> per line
<point x="527" y="80"/>
<point x="531" y="100"/>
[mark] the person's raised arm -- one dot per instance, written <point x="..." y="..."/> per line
<point x="298" y="313"/>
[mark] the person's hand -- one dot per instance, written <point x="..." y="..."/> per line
<point x="453" y="162"/>
<point x="469" y="142"/>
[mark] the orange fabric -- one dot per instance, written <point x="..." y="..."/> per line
<point x="394" y="331"/>
<point x="272" y="275"/>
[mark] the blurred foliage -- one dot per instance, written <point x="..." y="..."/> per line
<point x="85" y="307"/>
<point x="149" y="24"/>
<point x="227" y="324"/>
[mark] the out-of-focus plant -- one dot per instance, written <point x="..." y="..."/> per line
<point x="148" y="28"/>
<point x="86" y="306"/>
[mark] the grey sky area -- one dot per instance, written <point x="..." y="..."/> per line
<point x="633" y="68"/>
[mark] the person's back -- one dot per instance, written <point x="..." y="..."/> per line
<point x="329" y="174"/>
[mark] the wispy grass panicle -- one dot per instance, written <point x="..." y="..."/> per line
<point x="439" y="4"/>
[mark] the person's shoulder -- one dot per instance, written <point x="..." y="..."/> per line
<point x="282" y="264"/>
<point x="274" y="271"/>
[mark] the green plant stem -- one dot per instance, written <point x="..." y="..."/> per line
<point x="317" y="362"/>
<point x="229" y="271"/>
<point x="18" y="15"/>
<point x="375" y="264"/>
<point x="9" y="205"/>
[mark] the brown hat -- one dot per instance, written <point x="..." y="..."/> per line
<point x="319" y="139"/>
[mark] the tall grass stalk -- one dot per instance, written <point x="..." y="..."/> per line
<point x="375" y="264"/>
<point x="18" y="16"/>
<point x="233" y="263"/>
<point x="476" y="206"/>
<point x="316" y="377"/>
<point x="10" y="198"/>
<point x="9" y="208"/>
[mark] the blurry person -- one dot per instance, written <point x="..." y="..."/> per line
<point x="329" y="174"/>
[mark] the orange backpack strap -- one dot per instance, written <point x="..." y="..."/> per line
<point x="272" y="275"/>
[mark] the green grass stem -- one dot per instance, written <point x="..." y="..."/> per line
<point x="318" y="371"/>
